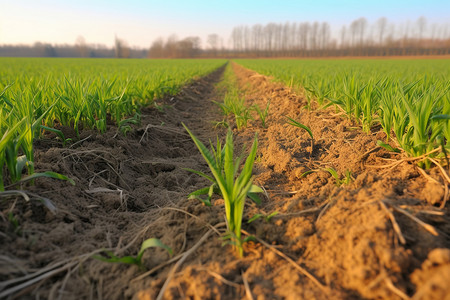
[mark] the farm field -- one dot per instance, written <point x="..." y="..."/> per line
<point x="41" y="95"/>
<point x="344" y="214"/>
<point x="409" y="98"/>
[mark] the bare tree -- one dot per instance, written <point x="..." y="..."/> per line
<point x="157" y="49"/>
<point x="421" y="24"/>
<point x="325" y="35"/>
<point x="343" y="37"/>
<point x="304" y="32"/>
<point x="285" y="39"/>
<point x="270" y="31"/>
<point x="236" y="38"/>
<point x="257" y="32"/>
<point x="354" y="27"/>
<point x="121" y="48"/>
<point x="362" y="30"/>
<point x="213" y="41"/>
<point x="314" y="33"/>
<point x="381" y="24"/>
<point x="357" y="30"/>
<point x="81" y="46"/>
<point x="188" y="47"/>
<point x="171" y="46"/>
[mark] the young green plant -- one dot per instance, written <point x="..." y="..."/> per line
<point x="300" y="125"/>
<point x="262" y="113"/>
<point x="345" y="180"/>
<point x="234" y="188"/>
<point x="135" y="260"/>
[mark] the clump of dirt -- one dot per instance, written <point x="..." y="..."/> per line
<point x="360" y="240"/>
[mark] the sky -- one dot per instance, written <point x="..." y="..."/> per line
<point x="140" y="22"/>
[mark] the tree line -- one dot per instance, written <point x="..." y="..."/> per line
<point x="290" y="39"/>
<point x="317" y="39"/>
<point x="357" y="39"/>
<point x="79" y="49"/>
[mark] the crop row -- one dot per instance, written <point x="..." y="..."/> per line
<point x="41" y="94"/>
<point x="410" y="99"/>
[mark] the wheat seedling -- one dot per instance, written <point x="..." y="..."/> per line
<point x="234" y="188"/>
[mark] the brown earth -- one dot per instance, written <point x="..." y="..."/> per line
<point x="327" y="242"/>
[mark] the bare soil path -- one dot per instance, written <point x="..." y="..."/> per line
<point x="361" y="240"/>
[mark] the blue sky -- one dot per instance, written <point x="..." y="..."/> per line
<point x="140" y="22"/>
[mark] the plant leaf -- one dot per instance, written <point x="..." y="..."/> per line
<point x="48" y="174"/>
<point x="254" y="197"/>
<point x="255" y="189"/>
<point x="297" y="124"/>
<point x="332" y="172"/>
<point x="254" y="218"/>
<point x="152" y="242"/>
<point x="270" y="216"/>
<point x="440" y="117"/>
<point x="387" y="147"/>
<point x="307" y="173"/>
<point x="200" y="173"/>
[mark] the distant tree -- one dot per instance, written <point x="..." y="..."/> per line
<point x="188" y="47"/>
<point x="343" y="37"/>
<point x="121" y="48"/>
<point x="304" y="31"/>
<point x="314" y="36"/>
<point x="213" y="43"/>
<point x="170" y="49"/>
<point x="421" y="24"/>
<point x="353" y="32"/>
<point x="324" y="35"/>
<point x="81" y="46"/>
<point x="270" y="31"/>
<point x="157" y="49"/>
<point x="382" y="25"/>
<point x="49" y="51"/>
<point x="362" y="30"/>
<point x="257" y="37"/>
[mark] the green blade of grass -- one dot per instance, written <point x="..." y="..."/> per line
<point x="152" y="242"/>
<point x="48" y="174"/>
<point x="300" y="125"/>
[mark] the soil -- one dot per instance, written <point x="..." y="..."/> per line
<point x="361" y="240"/>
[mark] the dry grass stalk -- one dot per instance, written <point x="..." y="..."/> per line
<point x="248" y="291"/>
<point x="394" y="222"/>
<point x="427" y="227"/>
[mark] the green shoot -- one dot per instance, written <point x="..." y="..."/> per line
<point x="233" y="187"/>
<point x="14" y="223"/>
<point x="298" y="124"/>
<point x="387" y="147"/>
<point x="266" y="218"/>
<point x="58" y="132"/>
<point x="124" y="125"/>
<point x="340" y="181"/>
<point x="134" y="260"/>
<point x="262" y="114"/>
<point x="26" y="196"/>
